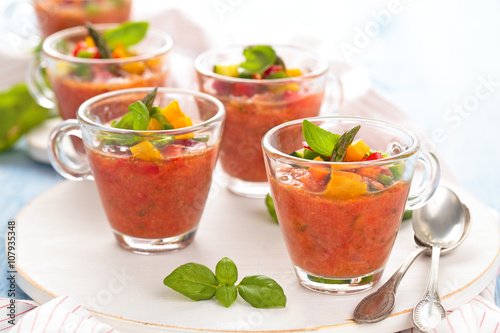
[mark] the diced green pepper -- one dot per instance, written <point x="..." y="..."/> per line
<point x="229" y="70"/>
<point x="398" y="170"/>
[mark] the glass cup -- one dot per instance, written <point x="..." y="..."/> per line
<point x="153" y="185"/>
<point x="56" y="15"/>
<point x="339" y="220"/>
<point x="255" y="106"/>
<point x="74" y="80"/>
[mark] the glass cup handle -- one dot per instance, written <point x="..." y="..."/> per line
<point x="69" y="164"/>
<point x="334" y="95"/>
<point x="429" y="183"/>
<point x="37" y="85"/>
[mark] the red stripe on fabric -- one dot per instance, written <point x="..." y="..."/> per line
<point x="93" y="328"/>
<point x="62" y="324"/>
<point x="17" y="314"/>
<point x="490" y="292"/>
<point x="449" y="324"/>
<point x="6" y="328"/>
<point x="52" y="312"/>
<point x="90" y="316"/>
<point x="475" y="299"/>
<point x="484" y="315"/>
<point x="76" y="329"/>
<point x="465" y="320"/>
<point x="79" y="306"/>
<point x="495" y="331"/>
<point x="34" y="321"/>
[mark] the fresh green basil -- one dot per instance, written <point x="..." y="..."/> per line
<point x="199" y="283"/>
<point x="19" y="113"/>
<point x="339" y="151"/>
<point x="262" y="292"/>
<point x="127" y="34"/>
<point x="126" y="122"/>
<point x="270" y="207"/>
<point x="319" y="139"/>
<point x="226" y="295"/>
<point x="277" y="75"/>
<point x="257" y="59"/>
<point x="194" y="281"/>
<point x="226" y="272"/>
<point x="141" y="116"/>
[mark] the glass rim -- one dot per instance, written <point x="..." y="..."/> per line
<point x="84" y="120"/>
<point x="360" y="120"/>
<point x="81" y="30"/>
<point x="321" y="69"/>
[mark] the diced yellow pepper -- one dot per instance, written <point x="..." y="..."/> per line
<point x="173" y="113"/>
<point x="89" y="41"/>
<point x="356" y="151"/>
<point x="345" y="185"/>
<point x="154" y="63"/>
<point x="181" y="122"/>
<point x="294" y="72"/>
<point x="146" y="151"/>
<point x="134" y="67"/>
<point x="177" y="119"/>
<point x="120" y="51"/>
<point x="153" y="125"/>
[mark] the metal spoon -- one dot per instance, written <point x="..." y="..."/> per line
<point x="378" y="305"/>
<point x="439" y="224"/>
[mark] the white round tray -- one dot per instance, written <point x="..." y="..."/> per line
<point x="66" y="247"/>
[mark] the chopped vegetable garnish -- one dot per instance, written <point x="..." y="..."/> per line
<point x="261" y="62"/>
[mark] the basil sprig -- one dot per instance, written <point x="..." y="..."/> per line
<point x="198" y="282"/>
<point x="319" y="139"/>
<point x="126" y="34"/>
<point x="257" y="59"/>
<point x="344" y="141"/>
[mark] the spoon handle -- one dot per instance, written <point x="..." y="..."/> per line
<point x="430" y="311"/>
<point x="378" y="305"/>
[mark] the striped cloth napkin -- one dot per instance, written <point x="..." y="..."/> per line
<point x="62" y="314"/>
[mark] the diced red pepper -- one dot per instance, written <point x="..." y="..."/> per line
<point x="374" y="156"/>
<point x="273" y="69"/>
<point x="304" y="143"/>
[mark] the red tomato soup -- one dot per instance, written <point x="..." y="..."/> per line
<point x="72" y="90"/>
<point x="55" y="15"/>
<point x="338" y="232"/>
<point x="154" y="199"/>
<point x="248" y="119"/>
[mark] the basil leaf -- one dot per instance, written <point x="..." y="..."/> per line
<point x="99" y="41"/>
<point x="262" y="292"/>
<point x="226" y="295"/>
<point x="141" y="116"/>
<point x="345" y="140"/>
<point x="320" y="140"/>
<point x="126" y="122"/>
<point x="270" y="207"/>
<point x="19" y="113"/>
<point x="193" y="280"/>
<point x="311" y="155"/>
<point x="150" y="98"/>
<point x="128" y="33"/>
<point x="257" y="59"/>
<point x="226" y="272"/>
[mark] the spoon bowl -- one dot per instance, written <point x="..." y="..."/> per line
<point x="448" y="249"/>
<point x="441" y="222"/>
